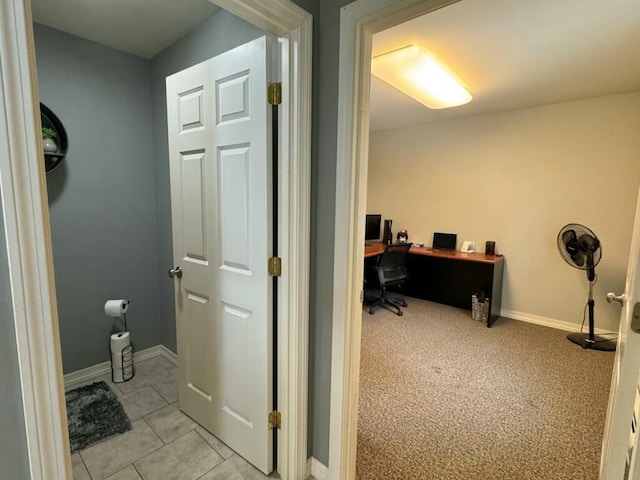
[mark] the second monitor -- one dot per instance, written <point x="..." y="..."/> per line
<point x="444" y="241"/>
<point x="372" y="227"/>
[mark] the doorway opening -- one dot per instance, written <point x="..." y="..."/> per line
<point x="360" y="22"/>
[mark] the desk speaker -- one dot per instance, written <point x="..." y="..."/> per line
<point x="387" y="237"/>
<point x="490" y="248"/>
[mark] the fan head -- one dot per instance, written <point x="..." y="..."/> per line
<point x="579" y="246"/>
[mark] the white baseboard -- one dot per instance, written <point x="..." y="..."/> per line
<point x="168" y="355"/>
<point x="81" y="377"/>
<point x="549" y="322"/>
<point x="317" y="470"/>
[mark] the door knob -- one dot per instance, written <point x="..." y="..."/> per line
<point x="175" y="272"/>
<point x="612" y="297"/>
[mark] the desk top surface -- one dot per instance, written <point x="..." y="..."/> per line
<point x="377" y="248"/>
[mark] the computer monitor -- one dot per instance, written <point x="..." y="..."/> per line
<point x="444" y="241"/>
<point x="372" y="227"/>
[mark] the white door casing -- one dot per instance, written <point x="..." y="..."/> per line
<point x="220" y="161"/>
<point x="626" y="372"/>
<point x="358" y="22"/>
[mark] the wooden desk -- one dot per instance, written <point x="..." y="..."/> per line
<point x="451" y="277"/>
<point x="374" y="249"/>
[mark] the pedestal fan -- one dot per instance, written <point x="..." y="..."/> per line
<point x="581" y="249"/>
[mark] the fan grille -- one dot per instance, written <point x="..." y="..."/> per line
<point x="579" y="246"/>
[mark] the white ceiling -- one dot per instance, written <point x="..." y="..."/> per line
<point x="140" y="27"/>
<point x="509" y="54"/>
<point x="514" y="54"/>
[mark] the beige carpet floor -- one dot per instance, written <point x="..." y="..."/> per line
<point x="442" y="397"/>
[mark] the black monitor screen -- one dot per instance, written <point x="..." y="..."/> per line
<point x="372" y="227"/>
<point x="444" y="241"/>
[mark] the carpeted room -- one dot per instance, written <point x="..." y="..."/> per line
<point x="443" y="397"/>
<point x="515" y="177"/>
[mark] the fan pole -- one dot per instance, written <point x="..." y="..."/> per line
<point x="590" y="340"/>
<point x="591" y="304"/>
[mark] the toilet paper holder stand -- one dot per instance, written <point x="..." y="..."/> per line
<point x="128" y="370"/>
<point x="126" y="366"/>
<point x="122" y="367"/>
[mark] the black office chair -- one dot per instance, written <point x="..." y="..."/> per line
<point x="391" y="271"/>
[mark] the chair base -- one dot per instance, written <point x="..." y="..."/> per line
<point x="392" y="304"/>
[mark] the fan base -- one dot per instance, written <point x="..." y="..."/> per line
<point x="598" y="343"/>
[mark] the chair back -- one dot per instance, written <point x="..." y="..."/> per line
<point x="391" y="264"/>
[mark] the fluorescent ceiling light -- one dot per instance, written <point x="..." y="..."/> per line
<point x="415" y="73"/>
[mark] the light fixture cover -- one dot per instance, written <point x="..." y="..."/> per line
<point x="415" y="73"/>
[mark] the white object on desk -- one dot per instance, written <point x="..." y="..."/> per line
<point x="468" y="246"/>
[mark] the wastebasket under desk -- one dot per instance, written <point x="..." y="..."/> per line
<point x="451" y="277"/>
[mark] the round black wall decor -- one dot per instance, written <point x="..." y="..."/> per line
<point x="54" y="153"/>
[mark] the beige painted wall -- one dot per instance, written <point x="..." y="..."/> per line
<point x="517" y="177"/>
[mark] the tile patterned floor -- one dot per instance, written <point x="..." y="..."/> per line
<point x="164" y="444"/>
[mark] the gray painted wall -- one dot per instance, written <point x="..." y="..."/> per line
<point x="102" y="198"/>
<point x="217" y="34"/>
<point x="323" y="223"/>
<point x="13" y="446"/>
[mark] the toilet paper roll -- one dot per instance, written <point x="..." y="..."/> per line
<point x="118" y="375"/>
<point x="115" y="308"/>
<point x="122" y="359"/>
<point x="116" y="360"/>
<point x="119" y="341"/>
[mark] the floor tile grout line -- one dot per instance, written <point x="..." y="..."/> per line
<point x="215" y="466"/>
<point x="187" y="433"/>
<point x="85" y="467"/>
<point x="151" y="411"/>
<point x="137" y="471"/>
<point x="146" y="455"/>
<point x="160" y="393"/>
<point x="174" y="440"/>
<point x="154" y="432"/>
<point x="195" y="425"/>
<point x="214" y="448"/>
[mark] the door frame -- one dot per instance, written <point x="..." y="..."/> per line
<point x="28" y="236"/>
<point x="358" y="22"/>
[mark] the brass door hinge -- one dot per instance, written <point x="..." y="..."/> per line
<point x="275" y="266"/>
<point x="274" y="93"/>
<point x="275" y="420"/>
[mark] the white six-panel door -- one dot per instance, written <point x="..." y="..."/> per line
<point x="219" y="147"/>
